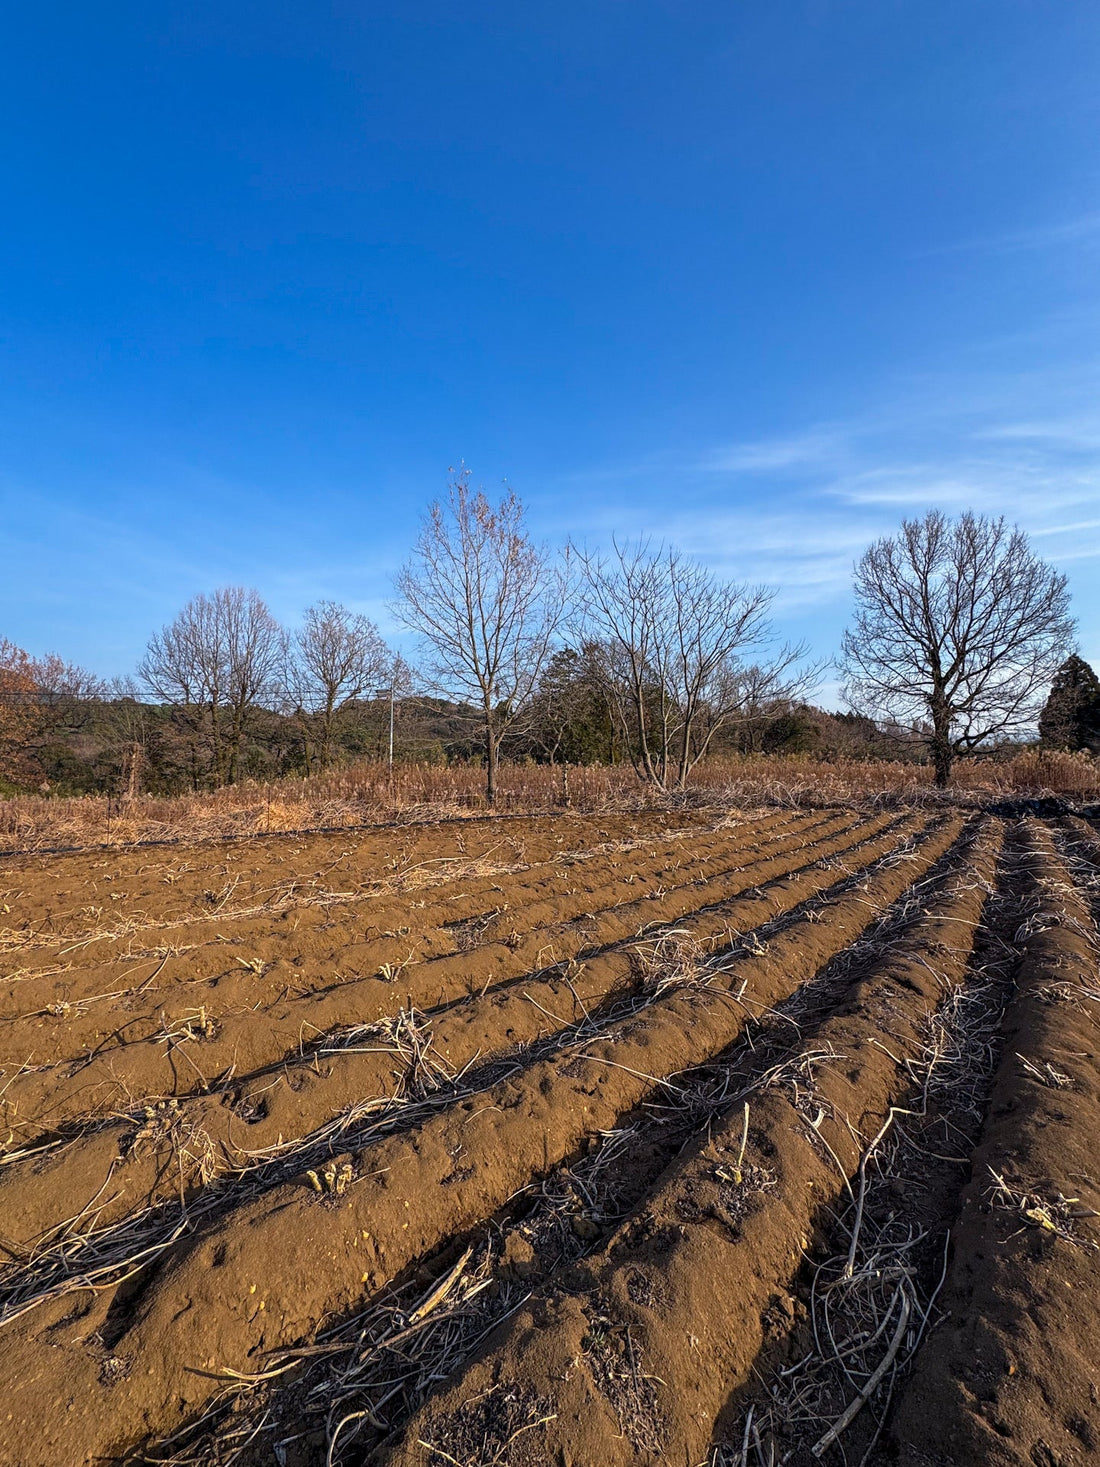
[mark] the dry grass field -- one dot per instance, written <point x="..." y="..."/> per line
<point x="370" y="793"/>
<point x="696" y="1134"/>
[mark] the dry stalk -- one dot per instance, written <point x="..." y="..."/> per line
<point x="872" y="1299"/>
<point x="1055" y="1215"/>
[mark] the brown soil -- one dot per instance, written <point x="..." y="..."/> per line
<point x="82" y="1060"/>
<point x="144" y="1159"/>
<point x="631" y="1350"/>
<point x="1012" y="1374"/>
<point x="289" y="1133"/>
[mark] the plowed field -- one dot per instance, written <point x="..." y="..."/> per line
<point x="658" y="1138"/>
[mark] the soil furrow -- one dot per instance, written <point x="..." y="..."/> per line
<point x="444" y="893"/>
<point x="171" y="885"/>
<point x="329" y="930"/>
<point x="153" y="1157"/>
<point x="83" y="1240"/>
<point x="635" y="1357"/>
<point x="1081" y="844"/>
<point x="885" y="1244"/>
<point x="1010" y="1376"/>
<point x="227" y="1296"/>
<point x="487" y="1275"/>
<point x="194" y="1051"/>
<point x="279" y="948"/>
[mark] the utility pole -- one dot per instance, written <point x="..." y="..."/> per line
<point x="381" y="693"/>
<point x="391" y="729"/>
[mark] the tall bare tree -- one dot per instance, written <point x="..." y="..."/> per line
<point x="184" y="665"/>
<point x="676" y="638"/>
<point x="255" y="652"/>
<point x="127" y="726"/>
<point x="217" y="660"/>
<point x="959" y="627"/>
<point x="487" y="601"/>
<point x="336" y="657"/>
<point x="68" y="698"/>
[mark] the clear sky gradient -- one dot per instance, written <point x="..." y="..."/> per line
<point x="760" y="278"/>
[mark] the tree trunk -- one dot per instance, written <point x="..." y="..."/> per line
<point x="490" y="756"/>
<point x="307" y="741"/>
<point x="216" y="741"/>
<point x="193" y="745"/>
<point x="941" y="740"/>
<point x="941" y="759"/>
<point x="326" y="730"/>
<point x="685" y="753"/>
<point x="491" y="771"/>
<point x="133" y="782"/>
<point x="236" y="730"/>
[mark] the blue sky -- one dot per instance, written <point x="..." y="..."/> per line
<point x="760" y="278"/>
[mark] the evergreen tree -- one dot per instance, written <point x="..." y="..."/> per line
<point x="571" y="720"/>
<point x="1071" y="717"/>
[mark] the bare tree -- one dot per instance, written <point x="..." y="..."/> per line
<point x="127" y="727"/>
<point x="67" y="694"/>
<point x="335" y="659"/>
<point x="255" y="652"/>
<point x="959" y="626"/>
<point x="217" y="660"/>
<point x="676" y="637"/>
<point x="184" y="665"/>
<point x="386" y="714"/>
<point x="487" y="601"/>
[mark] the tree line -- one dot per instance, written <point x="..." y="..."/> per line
<point x="636" y="654"/>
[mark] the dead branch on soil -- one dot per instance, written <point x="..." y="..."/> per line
<point x="615" y="1366"/>
<point x="368" y="1373"/>
<point x="1055" y="1215"/>
<point x="673" y="959"/>
<point x="867" y="1317"/>
<point x="872" y="1299"/>
<point x="1046" y="1074"/>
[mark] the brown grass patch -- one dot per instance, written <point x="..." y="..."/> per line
<point x="366" y="794"/>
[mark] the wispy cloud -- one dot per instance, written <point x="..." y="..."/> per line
<point x="796" y="509"/>
<point x="812" y="449"/>
<point x="1069" y="435"/>
<point x="804" y="555"/>
<point x="1072" y="529"/>
<point x="1082" y="230"/>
